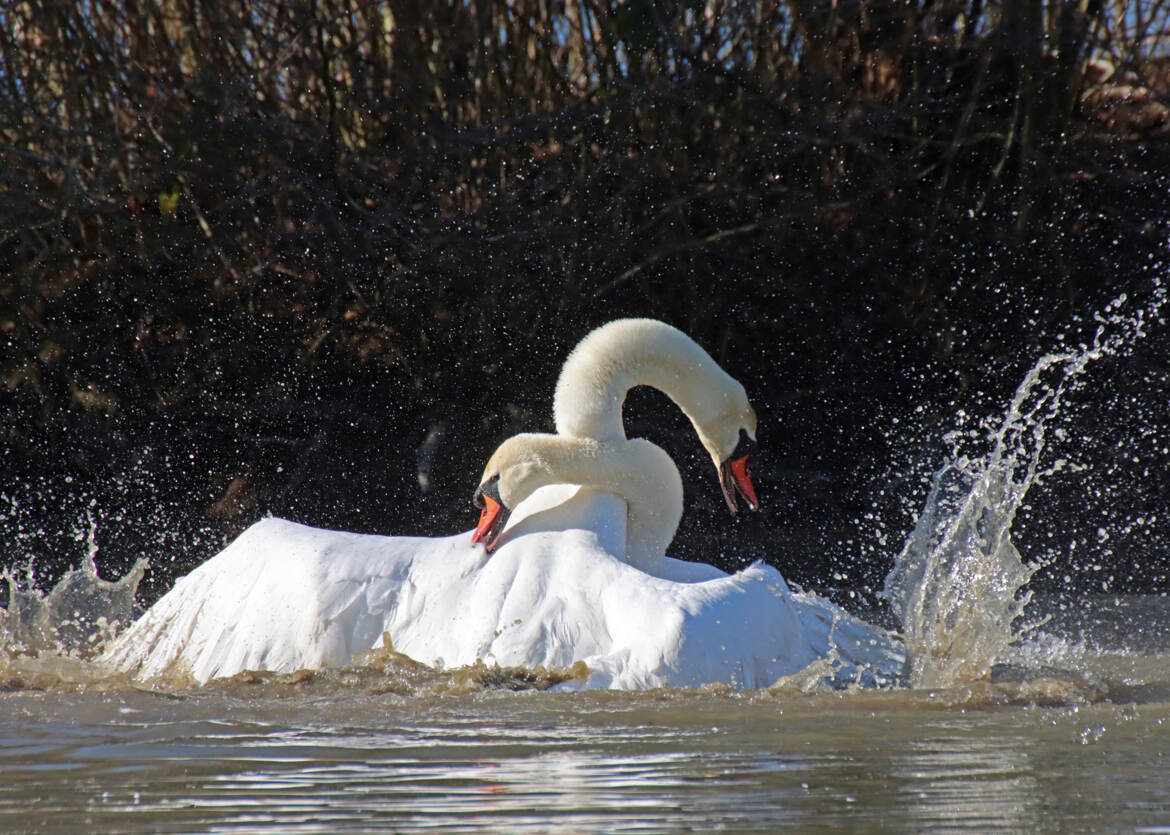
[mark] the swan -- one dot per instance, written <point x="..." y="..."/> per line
<point x="574" y="571"/>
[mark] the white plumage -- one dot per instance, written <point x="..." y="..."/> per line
<point x="284" y="597"/>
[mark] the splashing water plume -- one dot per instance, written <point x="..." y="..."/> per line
<point x="956" y="585"/>
<point x="80" y="613"/>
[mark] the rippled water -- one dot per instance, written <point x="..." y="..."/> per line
<point x="1073" y="736"/>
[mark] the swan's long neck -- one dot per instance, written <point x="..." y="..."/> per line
<point x="631" y="352"/>
<point x="636" y="470"/>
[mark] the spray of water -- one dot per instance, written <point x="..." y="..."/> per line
<point x="958" y="584"/>
<point x="77" y="616"/>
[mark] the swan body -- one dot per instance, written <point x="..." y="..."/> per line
<point x="284" y="597"/>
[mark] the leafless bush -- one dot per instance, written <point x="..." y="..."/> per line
<point x="212" y="203"/>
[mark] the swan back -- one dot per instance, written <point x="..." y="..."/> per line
<point x="635" y="470"/>
<point x="625" y="353"/>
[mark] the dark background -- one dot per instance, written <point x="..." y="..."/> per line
<point x="316" y="258"/>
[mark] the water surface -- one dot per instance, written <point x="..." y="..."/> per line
<point x="1072" y="735"/>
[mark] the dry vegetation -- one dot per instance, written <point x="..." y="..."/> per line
<point x="252" y="253"/>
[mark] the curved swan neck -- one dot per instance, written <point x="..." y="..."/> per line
<point x="630" y="352"/>
<point x="635" y="470"/>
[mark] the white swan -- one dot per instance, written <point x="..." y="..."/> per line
<point x="555" y="590"/>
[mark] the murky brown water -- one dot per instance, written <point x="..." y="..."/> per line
<point x="388" y="746"/>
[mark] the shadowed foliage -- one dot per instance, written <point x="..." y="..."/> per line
<point x="318" y="257"/>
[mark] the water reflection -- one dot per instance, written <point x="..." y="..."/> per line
<point x="496" y="793"/>
<point x="349" y="763"/>
<point x="961" y="783"/>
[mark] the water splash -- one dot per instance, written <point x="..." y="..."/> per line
<point x="958" y="584"/>
<point x="78" y="616"/>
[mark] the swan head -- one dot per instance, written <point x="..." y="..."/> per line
<point x="517" y="468"/>
<point x="730" y="439"/>
<point x="634" y="470"/>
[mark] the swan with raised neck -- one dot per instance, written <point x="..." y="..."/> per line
<point x="626" y="353"/>
<point x="634" y="470"/>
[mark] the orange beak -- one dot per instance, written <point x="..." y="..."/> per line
<point x="486" y="529"/>
<point x="736" y="481"/>
<point x="492" y="518"/>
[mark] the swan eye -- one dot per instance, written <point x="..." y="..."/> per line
<point x="491" y="489"/>
<point x="747" y="446"/>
